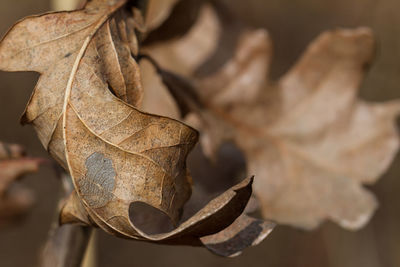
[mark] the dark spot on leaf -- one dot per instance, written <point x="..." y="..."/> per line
<point x="97" y="185"/>
<point x="67" y="55"/>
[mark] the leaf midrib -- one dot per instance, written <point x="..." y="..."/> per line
<point x="75" y="68"/>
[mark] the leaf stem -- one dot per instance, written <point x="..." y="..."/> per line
<point x="66" y="244"/>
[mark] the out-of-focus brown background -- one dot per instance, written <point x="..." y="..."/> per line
<point x="292" y="24"/>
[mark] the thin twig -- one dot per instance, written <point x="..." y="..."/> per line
<point x="66" y="244"/>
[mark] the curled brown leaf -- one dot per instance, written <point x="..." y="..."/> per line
<point x="128" y="167"/>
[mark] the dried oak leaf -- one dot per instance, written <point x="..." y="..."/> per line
<point x="14" y="201"/>
<point x="122" y="161"/>
<point x="308" y="138"/>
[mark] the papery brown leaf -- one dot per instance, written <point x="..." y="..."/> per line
<point x="244" y="232"/>
<point x="15" y="201"/>
<point x="308" y="139"/>
<point x="84" y="111"/>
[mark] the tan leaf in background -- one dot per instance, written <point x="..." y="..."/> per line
<point x="156" y="98"/>
<point x="15" y="201"/>
<point x="308" y="139"/>
<point x="128" y="167"/>
<point x="200" y="42"/>
<point x="158" y="11"/>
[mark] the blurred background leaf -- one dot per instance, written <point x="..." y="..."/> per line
<point x="292" y="25"/>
